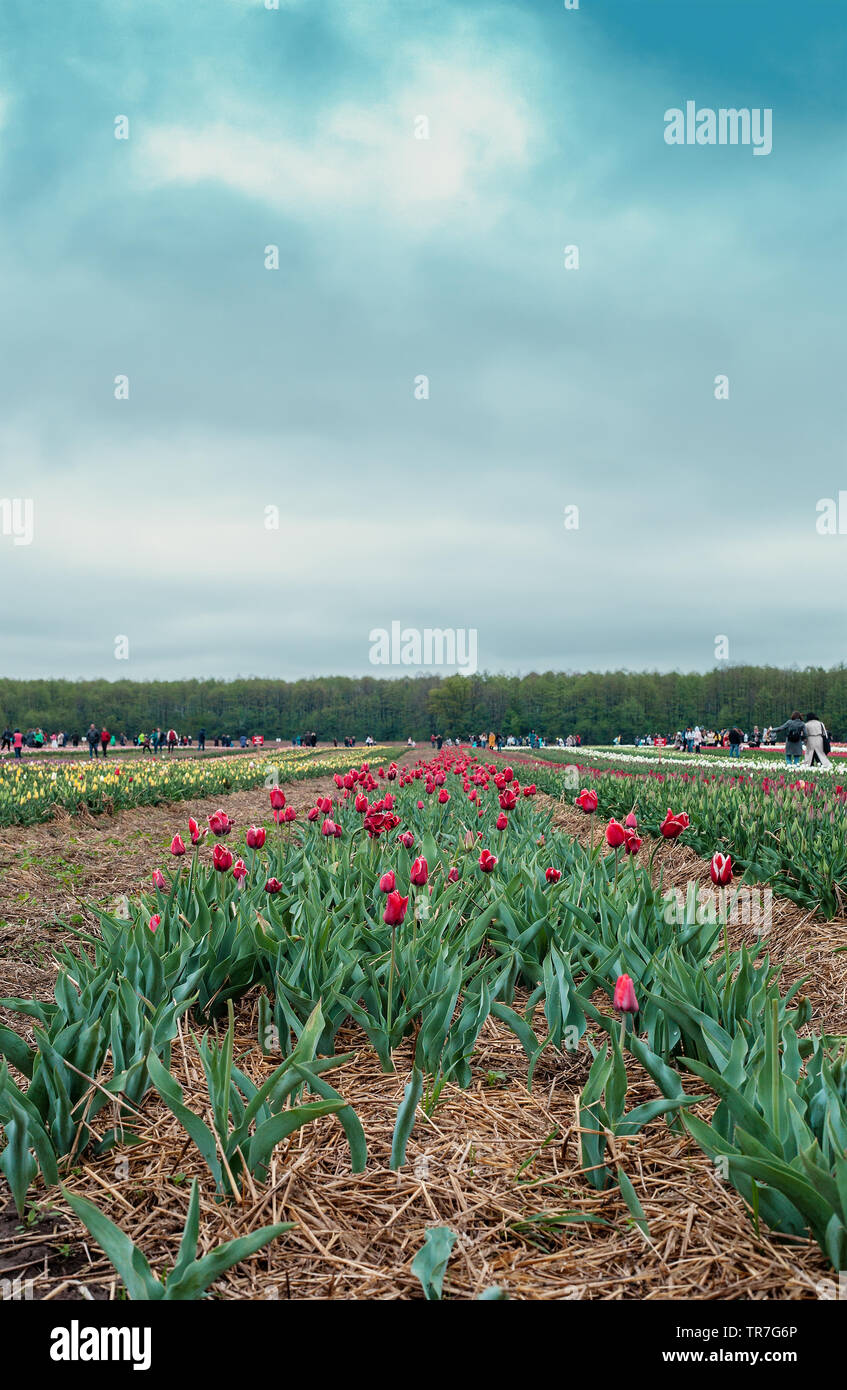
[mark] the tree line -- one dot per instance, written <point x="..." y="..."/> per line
<point x="596" y="705"/>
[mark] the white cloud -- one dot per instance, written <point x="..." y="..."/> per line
<point x="364" y="155"/>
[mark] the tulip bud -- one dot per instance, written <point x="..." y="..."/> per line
<point x="615" y="834"/>
<point x="221" y="858"/>
<point x="395" y="909"/>
<point x="624" y="998"/>
<point x="720" y="869"/>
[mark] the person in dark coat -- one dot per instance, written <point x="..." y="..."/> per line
<point x="795" y="731"/>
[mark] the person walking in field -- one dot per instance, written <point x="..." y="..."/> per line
<point x="736" y="738"/>
<point x="171" y="740"/>
<point x="795" y="731"/>
<point x="817" y="742"/>
<point x="7" y="741"/>
<point x="18" y="742"/>
<point x="104" y="740"/>
<point x="91" y="737"/>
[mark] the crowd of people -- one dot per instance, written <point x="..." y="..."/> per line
<point x="101" y="741"/>
<point x="495" y="741"/>
<point x="806" y="738"/>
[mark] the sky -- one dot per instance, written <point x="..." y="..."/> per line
<point x="230" y="469"/>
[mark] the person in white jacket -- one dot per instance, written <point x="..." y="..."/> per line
<point x="815" y="735"/>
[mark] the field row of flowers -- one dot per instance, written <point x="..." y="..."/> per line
<point x="659" y="758"/>
<point x="31" y="792"/>
<point x="417" y="903"/>
<point x="787" y="831"/>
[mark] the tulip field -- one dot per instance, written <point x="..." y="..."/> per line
<point x="37" y="791"/>
<point x="432" y="1032"/>
<point x="783" y="827"/>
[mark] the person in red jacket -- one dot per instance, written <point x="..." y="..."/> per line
<point x="104" y="740"/>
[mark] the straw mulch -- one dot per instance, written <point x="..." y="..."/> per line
<point x="497" y="1164"/>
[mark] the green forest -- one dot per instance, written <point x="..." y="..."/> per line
<point x="596" y="705"/>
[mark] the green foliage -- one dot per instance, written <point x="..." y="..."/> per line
<point x="430" y="1263"/>
<point x="249" y="1120"/>
<point x="405" y="1121"/>
<point x="190" y="1278"/>
<point x="601" y="1111"/>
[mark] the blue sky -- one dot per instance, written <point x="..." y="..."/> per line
<point x="294" y="388"/>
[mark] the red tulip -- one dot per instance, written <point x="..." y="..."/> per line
<point x="631" y="823"/>
<point x="313" y="813"/>
<point x="289" y="814"/>
<point x="674" y="825"/>
<point x="487" y="861"/>
<point x="220" y="823"/>
<point x="552" y="875"/>
<point x="720" y="869"/>
<point x="273" y="885"/>
<point x="221" y="858"/>
<point x="277" y="796"/>
<point x="502" y="821"/>
<point x="632" y="844"/>
<point x="420" y="872"/>
<point x="159" y="879"/>
<point x="443" y="797"/>
<point x="586" y="801"/>
<point x="453" y="876"/>
<point x="615" y="834"/>
<point x="395" y="909"/>
<point x="154" y="921"/>
<point x="328" y="827"/>
<point x="624" y="1000"/>
<point x="256" y="836"/>
<point x="407" y="839"/>
<point x="387" y="882"/>
<point x="239" y="870"/>
<point x="177" y="846"/>
<point x="194" y="831"/>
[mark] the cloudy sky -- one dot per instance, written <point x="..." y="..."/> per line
<point x="400" y="257"/>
